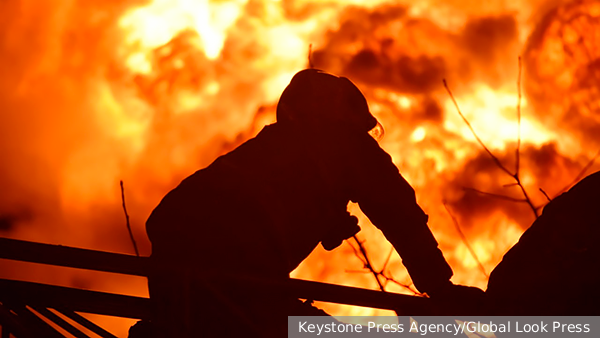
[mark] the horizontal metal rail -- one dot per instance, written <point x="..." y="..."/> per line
<point x="136" y="307"/>
<point x="59" y="255"/>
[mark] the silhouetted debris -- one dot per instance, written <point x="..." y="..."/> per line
<point x="554" y="269"/>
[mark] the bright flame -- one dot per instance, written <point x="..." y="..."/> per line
<point x="493" y="116"/>
<point x="418" y="135"/>
<point x="94" y="92"/>
<point x="157" y="23"/>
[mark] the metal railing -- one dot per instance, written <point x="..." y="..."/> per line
<point x="23" y="304"/>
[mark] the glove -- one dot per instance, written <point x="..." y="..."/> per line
<point x="459" y="299"/>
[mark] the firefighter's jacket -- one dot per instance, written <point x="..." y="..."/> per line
<point x="264" y="207"/>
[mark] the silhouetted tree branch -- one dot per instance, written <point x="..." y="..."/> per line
<point x="137" y="253"/>
<point x="497" y="161"/>
<point x="546" y="195"/>
<point x="580" y="175"/>
<point x="498" y="196"/>
<point x="494" y="158"/>
<point x="361" y="253"/>
<point x="518" y="150"/>
<point x="366" y="261"/>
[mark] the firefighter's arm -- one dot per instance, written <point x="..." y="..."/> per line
<point x="390" y="203"/>
<point x="405" y="227"/>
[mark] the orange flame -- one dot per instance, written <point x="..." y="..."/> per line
<point x="149" y="92"/>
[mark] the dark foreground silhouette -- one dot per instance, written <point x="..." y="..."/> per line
<point x="257" y="212"/>
<point x="554" y="269"/>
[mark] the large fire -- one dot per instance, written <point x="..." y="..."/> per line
<point x="149" y="91"/>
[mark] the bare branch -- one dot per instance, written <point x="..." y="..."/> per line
<point x="464" y="239"/>
<point x="527" y="199"/>
<point x="496" y="160"/>
<point x="137" y="253"/>
<point x="357" y="254"/>
<point x="310" y="61"/>
<point x="360" y="253"/>
<point x="515" y="176"/>
<point x="580" y="175"/>
<point x="406" y="286"/>
<point x="387" y="260"/>
<point x="546" y="195"/>
<point x="498" y="196"/>
<point x="518" y="155"/>
<point x="367" y="262"/>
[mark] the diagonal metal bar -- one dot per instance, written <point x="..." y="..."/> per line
<point x="60" y="297"/>
<point x="11" y="323"/>
<point x="81" y="320"/>
<point x="33" y="322"/>
<point x="60" y="322"/>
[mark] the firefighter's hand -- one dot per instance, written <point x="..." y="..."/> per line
<point x="460" y="299"/>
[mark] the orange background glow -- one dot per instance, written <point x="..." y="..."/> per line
<point x="93" y="92"/>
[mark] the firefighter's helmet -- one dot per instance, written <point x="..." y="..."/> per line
<point x="316" y="100"/>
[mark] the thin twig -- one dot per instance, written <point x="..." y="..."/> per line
<point x="518" y="155"/>
<point x="357" y="254"/>
<point x="409" y="287"/>
<point x="387" y="278"/>
<point x="387" y="260"/>
<point x="498" y="196"/>
<point x="546" y="195"/>
<point x="515" y="176"/>
<point x="367" y="262"/>
<point x="464" y="239"/>
<point x="137" y="253"/>
<point x="580" y="175"/>
<point x="310" y="61"/>
<point x="496" y="160"/>
<point x="527" y="198"/>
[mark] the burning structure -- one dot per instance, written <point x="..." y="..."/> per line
<point x="149" y="91"/>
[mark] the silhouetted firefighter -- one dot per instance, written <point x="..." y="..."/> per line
<point x="257" y="212"/>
